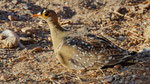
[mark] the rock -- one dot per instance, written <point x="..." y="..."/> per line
<point x="108" y="79"/>
<point x="27" y="30"/>
<point x="14" y="1"/>
<point x="25" y="7"/>
<point x="146" y="49"/>
<point x="53" y="77"/>
<point x="9" y="39"/>
<point x="26" y="40"/>
<point x="12" y="18"/>
<point x="118" y="66"/>
<point x="4" y="77"/>
<point x="117" y="77"/>
<point x="37" y="49"/>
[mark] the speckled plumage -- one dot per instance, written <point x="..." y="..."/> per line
<point x="83" y="51"/>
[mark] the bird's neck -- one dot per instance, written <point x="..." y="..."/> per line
<point x="57" y="33"/>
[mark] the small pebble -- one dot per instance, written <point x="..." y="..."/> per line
<point x="108" y="79"/>
<point x="122" y="73"/>
<point x="4" y="77"/>
<point x="49" y="38"/>
<point x="27" y="29"/>
<point x="12" y="18"/>
<point x="53" y="77"/>
<point x="117" y="77"/>
<point x="14" y="1"/>
<point x="37" y="49"/>
<point x="25" y="7"/>
<point x="26" y="40"/>
<point x="117" y="66"/>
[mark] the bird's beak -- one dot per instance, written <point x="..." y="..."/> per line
<point x="36" y="15"/>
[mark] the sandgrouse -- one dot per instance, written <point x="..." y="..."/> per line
<point x="82" y="51"/>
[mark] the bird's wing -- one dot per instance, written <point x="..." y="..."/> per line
<point x="104" y="50"/>
<point x="90" y="42"/>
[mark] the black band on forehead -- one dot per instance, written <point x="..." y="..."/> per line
<point x="48" y="11"/>
<point x="44" y="10"/>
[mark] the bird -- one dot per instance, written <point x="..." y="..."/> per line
<point x="75" y="51"/>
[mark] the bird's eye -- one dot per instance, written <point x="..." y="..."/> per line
<point x="46" y="14"/>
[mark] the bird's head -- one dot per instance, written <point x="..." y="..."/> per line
<point x="47" y="15"/>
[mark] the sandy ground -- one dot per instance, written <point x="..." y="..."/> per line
<point x="125" y="22"/>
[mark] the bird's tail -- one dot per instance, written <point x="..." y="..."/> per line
<point x="130" y="57"/>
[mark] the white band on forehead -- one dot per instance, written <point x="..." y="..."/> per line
<point x="44" y="11"/>
<point x="39" y="13"/>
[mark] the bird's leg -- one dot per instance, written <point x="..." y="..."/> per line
<point x="97" y="69"/>
<point x="78" y="77"/>
<point x="80" y="81"/>
<point x="63" y="73"/>
<point x="102" y="71"/>
<point x="75" y="74"/>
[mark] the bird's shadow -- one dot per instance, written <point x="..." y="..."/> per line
<point x="140" y="57"/>
<point x="122" y="64"/>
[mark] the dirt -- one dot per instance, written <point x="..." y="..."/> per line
<point x="124" y="22"/>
